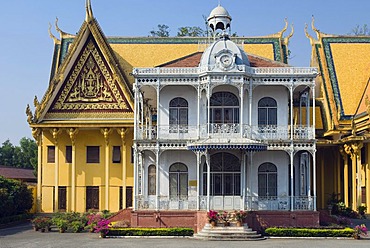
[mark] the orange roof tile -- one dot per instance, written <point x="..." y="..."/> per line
<point x="192" y="60"/>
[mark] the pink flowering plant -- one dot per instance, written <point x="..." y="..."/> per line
<point x="240" y="215"/>
<point x="93" y="220"/>
<point x="360" y="230"/>
<point x="225" y="217"/>
<point x="212" y="215"/>
<point x="102" y="226"/>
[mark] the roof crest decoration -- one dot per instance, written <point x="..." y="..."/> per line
<point x="286" y="39"/>
<point x="55" y="39"/>
<point x="312" y="39"/>
<point x="89" y="13"/>
<point x="61" y="32"/>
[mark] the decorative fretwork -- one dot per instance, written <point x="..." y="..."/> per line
<point x="90" y="86"/>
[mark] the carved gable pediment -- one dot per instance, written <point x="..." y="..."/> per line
<point x="90" y="87"/>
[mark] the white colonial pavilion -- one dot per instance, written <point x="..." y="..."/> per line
<point x="224" y="135"/>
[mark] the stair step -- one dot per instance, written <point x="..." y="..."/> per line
<point x="232" y="232"/>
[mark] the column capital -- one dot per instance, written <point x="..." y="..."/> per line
<point x="122" y="132"/>
<point x="106" y="131"/>
<point x="55" y="132"/>
<point x="353" y="149"/>
<point x="36" y="134"/>
<point x="72" y="132"/>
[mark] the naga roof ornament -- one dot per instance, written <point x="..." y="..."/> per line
<point x="89" y="13"/>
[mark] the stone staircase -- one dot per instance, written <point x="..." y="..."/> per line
<point x="231" y="232"/>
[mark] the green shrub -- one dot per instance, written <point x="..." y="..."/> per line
<point x="19" y="217"/>
<point x="76" y="226"/>
<point x="180" y="231"/>
<point x="15" y="197"/>
<point x="308" y="232"/>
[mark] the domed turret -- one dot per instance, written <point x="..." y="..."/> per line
<point x="219" y="19"/>
<point x="223" y="55"/>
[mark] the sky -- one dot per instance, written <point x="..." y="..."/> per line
<point x="26" y="48"/>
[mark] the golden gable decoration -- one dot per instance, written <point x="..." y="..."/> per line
<point x="90" y="86"/>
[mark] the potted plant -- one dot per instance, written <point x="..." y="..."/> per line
<point x="225" y="217"/>
<point x="239" y="217"/>
<point x="36" y="222"/>
<point x="61" y="223"/>
<point x="77" y="226"/>
<point x="361" y="210"/>
<point x="359" y="230"/>
<point x="212" y="217"/>
<point x="102" y="227"/>
<point x="41" y="223"/>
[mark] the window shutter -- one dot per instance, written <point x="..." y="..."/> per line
<point x="68" y="154"/>
<point x="51" y="154"/>
<point x="116" y="157"/>
<point x="93" y="154"/>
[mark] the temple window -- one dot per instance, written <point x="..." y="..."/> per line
<point x="51" y="154"/>
<point x="92" y="154"/>
<point x="116" y="156"/>
<point x="92" y="198"/>
<point x="68" y="154"/>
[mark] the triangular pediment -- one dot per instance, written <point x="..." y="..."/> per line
<point x="89" y="85"/>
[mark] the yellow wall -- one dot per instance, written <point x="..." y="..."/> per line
<point x="87" y="174"/>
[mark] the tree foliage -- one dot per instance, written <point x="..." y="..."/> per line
<point x="22" y="156"/>
<point x="191" y="32"/>
<point x="15" y="197"/>
<point x="163" y="31"/>
<point x="358" y="30"/>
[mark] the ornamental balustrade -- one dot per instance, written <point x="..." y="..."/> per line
<point x="256" y="203"/>
<point x="252" y="203"/>
<point x="230" y="131"/>
<point x="260" y="71"/>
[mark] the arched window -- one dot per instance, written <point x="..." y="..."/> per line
<point x="267" y="111"/>
<point x="152" y="180"/>
<point x="178" y="110"/>
<point x="224" y="108"/>
<point x="225" y="174"/>
<point x="178" y="181"/>
<point x="267" y="180"/>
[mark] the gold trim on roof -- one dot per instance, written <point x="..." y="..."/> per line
<point x="55" y="39"/>
<point x="61" y="32"/>
<point x="89" y="13"/>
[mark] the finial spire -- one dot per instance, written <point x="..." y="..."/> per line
<point x="89" y="13"/>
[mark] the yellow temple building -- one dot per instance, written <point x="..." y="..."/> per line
<point x="84" y="124"/>
<point x="343" y="110"/>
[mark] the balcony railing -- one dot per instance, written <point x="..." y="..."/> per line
<point x="279" y="203"/>
<point x="229" y="131"/>
<point x="241" y="68"/>
<point x="253" y="203"/>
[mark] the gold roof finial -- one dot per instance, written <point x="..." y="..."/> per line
<point x="312" y="39"/>
<point x="315" y="29"/>
<point x="29" y="114"/>
<point x="61" y="32"/>
<point x="284" y="29"/>
<point x="286" y="39"/>
<point x="55" y="39"/>
<point x="89" y="13"/>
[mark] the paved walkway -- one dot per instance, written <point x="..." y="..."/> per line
<point x="23" y="236"/>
